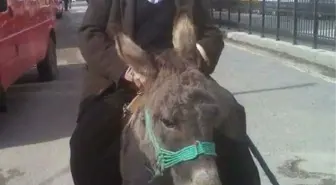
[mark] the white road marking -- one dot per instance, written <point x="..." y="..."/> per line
<point x="69" y="56"/>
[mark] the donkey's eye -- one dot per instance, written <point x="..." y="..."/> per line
<point x="168" y="123"/>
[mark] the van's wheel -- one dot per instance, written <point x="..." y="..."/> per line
<point x="47" y="68"/>
<point x="59" y="15"/>
<point x="3" y="105"/>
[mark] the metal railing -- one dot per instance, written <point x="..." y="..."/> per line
<point x="306" y="21"/>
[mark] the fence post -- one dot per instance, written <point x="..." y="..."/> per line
<point x="295" y="22"/>
<point x="316" y="25"/>
<point x="220" y="16"/>
<point x="212" y="9"/>
<point x="250" y="17"/>
<point x="239" y="17"/>
<point x="229" y="17"/>
<point x="263" y="18"/>
<point x="239" y="14"/>
<point x="278" y="20"/>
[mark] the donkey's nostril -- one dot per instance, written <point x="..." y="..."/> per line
<point x="205" y="176"/>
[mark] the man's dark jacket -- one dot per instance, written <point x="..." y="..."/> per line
<point x="104" y="65"/>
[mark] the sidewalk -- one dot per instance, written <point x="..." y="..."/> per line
<point x="303" y="54"/>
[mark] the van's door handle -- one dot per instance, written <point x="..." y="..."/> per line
<point x="10" y="11"/>
<point x="16" y="49"/>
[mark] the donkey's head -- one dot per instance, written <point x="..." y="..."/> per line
<point x="175" y="123"/>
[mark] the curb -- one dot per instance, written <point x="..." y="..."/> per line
<point x="318" y="57"/>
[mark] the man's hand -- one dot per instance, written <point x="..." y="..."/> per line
<point x="134" y="77"/>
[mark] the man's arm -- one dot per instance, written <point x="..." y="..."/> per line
<point x="210" y="38"/>
<point x="96" y="47"/>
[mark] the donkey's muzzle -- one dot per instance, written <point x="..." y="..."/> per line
<point x="205" y="175"/>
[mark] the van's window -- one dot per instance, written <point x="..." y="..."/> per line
<point x="3" y="5"/>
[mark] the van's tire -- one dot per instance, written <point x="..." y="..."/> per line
<point x="59" y="15"/>
<point x="3" y="105"/>
<point x="47" y="68"/>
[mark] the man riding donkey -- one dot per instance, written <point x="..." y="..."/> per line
<point x="110" y="84"/>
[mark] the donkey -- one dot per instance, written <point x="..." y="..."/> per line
<point x="172" y="122"/>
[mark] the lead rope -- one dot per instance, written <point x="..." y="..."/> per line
<point x="261" y="161"/>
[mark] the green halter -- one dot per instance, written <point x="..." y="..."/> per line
<point x="166" y="158"/>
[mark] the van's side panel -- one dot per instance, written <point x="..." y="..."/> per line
<point x="33" y="21"/>
<point x="42" y="16"/>
<point x="9" y="47"/>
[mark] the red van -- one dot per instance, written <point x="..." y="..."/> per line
<point x="27" y="38"/>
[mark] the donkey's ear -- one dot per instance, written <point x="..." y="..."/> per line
<point x="134" y="55"/>
<point x="184" y="36"/>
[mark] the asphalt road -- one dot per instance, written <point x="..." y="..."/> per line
<point x="290" y="114"/>
<point x="326" y="29"/>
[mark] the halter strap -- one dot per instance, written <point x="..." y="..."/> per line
<point x="166" y="159"/>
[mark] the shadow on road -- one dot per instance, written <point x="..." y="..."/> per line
<point x="41" y="112"/>
<point x="275" y="89"/>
